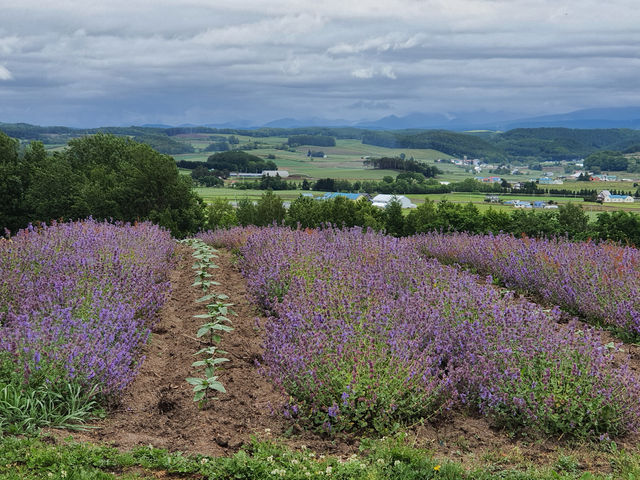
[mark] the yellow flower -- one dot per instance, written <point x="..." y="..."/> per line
<point x="437" y="468"/>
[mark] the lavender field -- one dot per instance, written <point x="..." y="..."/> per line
<point x="77" y="302"/>
<point x="366" y="332"/>
<point x="600" y="282"/>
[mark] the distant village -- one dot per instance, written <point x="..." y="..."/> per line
<point x="547" y="178"/>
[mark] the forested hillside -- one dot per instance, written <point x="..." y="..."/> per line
<point x="523" y="144"/>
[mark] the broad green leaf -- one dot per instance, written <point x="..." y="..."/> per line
<point x="215" y="385"/>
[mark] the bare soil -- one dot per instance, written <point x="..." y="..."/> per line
<point x="158" y="408"/>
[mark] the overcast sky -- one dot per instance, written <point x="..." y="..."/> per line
<point x="123" y="62"/>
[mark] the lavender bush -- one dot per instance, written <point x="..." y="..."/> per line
<point x="364" y="332"/>
<point x="600" y="282"/>
<point x="80" y="299"/>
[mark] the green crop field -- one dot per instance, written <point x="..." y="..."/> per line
<point x="344" y="161"/>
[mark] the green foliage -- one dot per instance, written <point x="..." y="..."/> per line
<point x="246" y="213"/>
<point x="309" y="213"/>
<point x="388" y="459"/>
<point x="606" y="160"/>
<point x="164" y="144"/>
<point x="304" y="212"/>
<point x="562" y="143"/>
<point x="221" y="214"/>
<point x="573" y="221"/>
<point x="270" y="209"/>
<point x="105" y="176"/>
<point x="218" y="146"/>
<point x="573" y="402"/>
<point x="42" y="401"/>
<point x="619" y="227"/>
<point x="201" y="175"/>
<point x="12" y="184"/>
<point x="409" y="165"/>
<point x="393" y="219"/>
<point x="238" y="161"/>
<point x="216" y="315"/>
<point x="316" y="140"/>
<point x="452" y="143"/>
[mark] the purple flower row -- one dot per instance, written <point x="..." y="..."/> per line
<point x="83" y="296"/>
<point x="365" y="332"/>
<point x="600" y="282"/>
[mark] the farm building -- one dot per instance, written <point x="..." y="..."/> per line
<point x="489" y="179"/>
<point x="549" y="181"/>
<point x="245" y="175"/>
<point x="350" y="196"/>
<point x="603" y="178"/>
<point x="606" y="197"/>
<point x="383" y="200"/>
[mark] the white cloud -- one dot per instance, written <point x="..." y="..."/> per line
<point x="5" y="74"/>
<point x="362" y="73"/>
<point x="381" y="44"/>
<point x="387" y="71"/>
<point x="384" y="71"/>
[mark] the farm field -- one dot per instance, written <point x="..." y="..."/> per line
<point x="344" y="161"/>
<point x="381" y="364"/>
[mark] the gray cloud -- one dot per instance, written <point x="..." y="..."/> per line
<point x="176" y="61"/>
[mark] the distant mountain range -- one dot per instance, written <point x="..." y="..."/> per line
<point x="624" y="117"/>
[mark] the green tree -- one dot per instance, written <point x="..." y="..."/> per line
<point x="12" y="185"/>
<point x="270" y="209"/>
<point x="221" y="214"/>
<point x="496" y="221"/>
<point x="393" y="218"/>
<point x="304" y="212"/>
<point x="368" y="216"/>
<point x="573" y="221"/>
<point x="246" y="212"/>
<point x="422" y="219"/>
<point x="619" y="227"/>
<point x="112" y="177"/>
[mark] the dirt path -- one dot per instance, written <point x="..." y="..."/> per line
<point x="158" y="408"/>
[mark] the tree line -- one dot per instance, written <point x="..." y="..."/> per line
<point x="568" y="220"/>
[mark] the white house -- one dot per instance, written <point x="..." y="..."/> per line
<point x="383" y="200"/>
<point x="606" y="197"/>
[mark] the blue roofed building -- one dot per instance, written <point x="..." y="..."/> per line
<point x="350" y="196"/>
